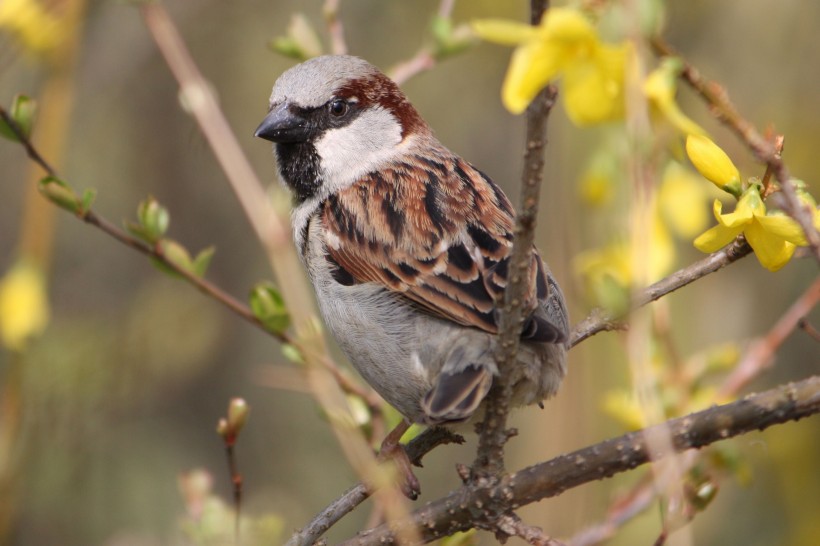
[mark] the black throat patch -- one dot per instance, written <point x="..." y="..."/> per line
<point x="299" y="167"/>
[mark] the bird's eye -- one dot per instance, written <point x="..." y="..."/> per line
<point x="337" y="108"/>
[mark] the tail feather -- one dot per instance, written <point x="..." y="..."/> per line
<point x="455" y="396"/>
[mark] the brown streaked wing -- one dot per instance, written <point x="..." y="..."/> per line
<point x="436" y="230"/>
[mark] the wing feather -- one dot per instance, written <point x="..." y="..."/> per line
<point x="437" y="231"/>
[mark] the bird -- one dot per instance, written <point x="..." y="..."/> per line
<point x="407" y="245"/>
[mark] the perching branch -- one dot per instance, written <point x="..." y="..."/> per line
<point x="489" y="462"/>
<point x="765" y="150"/>
<point x="464" y="508"/>
<point x="353" y="497"/>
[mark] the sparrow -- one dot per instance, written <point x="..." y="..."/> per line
<point x="406" y="244"/>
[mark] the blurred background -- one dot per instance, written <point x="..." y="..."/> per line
<point x="121" y="392"/>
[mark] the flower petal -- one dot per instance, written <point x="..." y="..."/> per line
<point x="772" y="251"/>
<point x="594" y="87"/>
<point x="660" y="87"/>
<point x="716" y="238"/>
<point x="712" y="162"/>
<point x="567" y="25"/>
<point x="24" y="306"/>
<point x="531" y="68"/>
<point x="784" y="227"/>
<point x="504" y="32"/>
<point x="681" y="199"/>
<point x="742" y="215"/>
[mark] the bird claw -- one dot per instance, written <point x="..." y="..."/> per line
<point x="392" y="449"/>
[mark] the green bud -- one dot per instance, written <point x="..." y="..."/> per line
<point x="202" y="261"/>
<point x="22" y="111"/>
<point x="87" y="200"/>
<point x="300" y="40"/>
<point x="60" y="193"/>
<point x="222" y="428"/>
<point x="292" y="353"/>
<point x="268" y="306"/>
<point x="174" y="253"/>
<point x="238" y="411"/>
<point x="153" y="219"/>
<point x="450" y="40"/>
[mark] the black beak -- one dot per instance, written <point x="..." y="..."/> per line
<point x="282" y="125"/>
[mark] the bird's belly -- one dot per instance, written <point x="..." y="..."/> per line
<point x="386" y="340"/>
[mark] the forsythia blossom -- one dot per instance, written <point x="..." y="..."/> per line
<point x="23" y="305"/>
<point x="713" y="163"/>
<point x="660" y="87"/>
<point x="37" y="30"/>
<point x="565" y="43"/>
<point x="773" y="236"/>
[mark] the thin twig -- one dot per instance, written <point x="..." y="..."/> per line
<point x="760" y="353"/>
<point x="512" y="526"/>
<point x="765" y="150"/>
<point x="599" y="321"/>
<point x="807" y="327"/>
<point x="274" y="235"/>
<point x="92" y="218"/>
<point x="624" y="509"/>
<point x="462" y="509"/>
<point x="31" y="151"/>
<point x="424" y="59"/>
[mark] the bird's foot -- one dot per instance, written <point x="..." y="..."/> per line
<point x="391" y="448"/>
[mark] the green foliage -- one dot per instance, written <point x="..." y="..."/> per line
<point x="449" y="40"/>
<point x="300" y="40"/>
<point x="22" y="111"/>
<point x="268" y="306"/>
<point x="153" y="220"/>
<point x="179" y="256"/>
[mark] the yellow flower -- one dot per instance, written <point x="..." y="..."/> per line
<point x="37" y="30"/>
<point x="608" y="272"/>
<point x="772" y="236"/>
<point x="660" y="87"/>
<point x="564" y="43"/>
<point x="23" y="305"/>
<point x="713" y="163"/>
<point x="682" y="199"/>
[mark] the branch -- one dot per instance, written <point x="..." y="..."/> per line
<point x="761" y="352"/>
<point x="463" y="508"/>
<point x="489" y="460"/>
<point x="92" y="218"/>
<point x="424" y="59"/>
<point x="765" y="150"/>
<point x="599" y="321"/>
<point x="353" y="497"/>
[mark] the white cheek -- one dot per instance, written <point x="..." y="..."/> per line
<point x="365" y="145"/>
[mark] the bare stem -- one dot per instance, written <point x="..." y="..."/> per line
<point x="761" y="351"/>
<point x="424" y="59"/>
